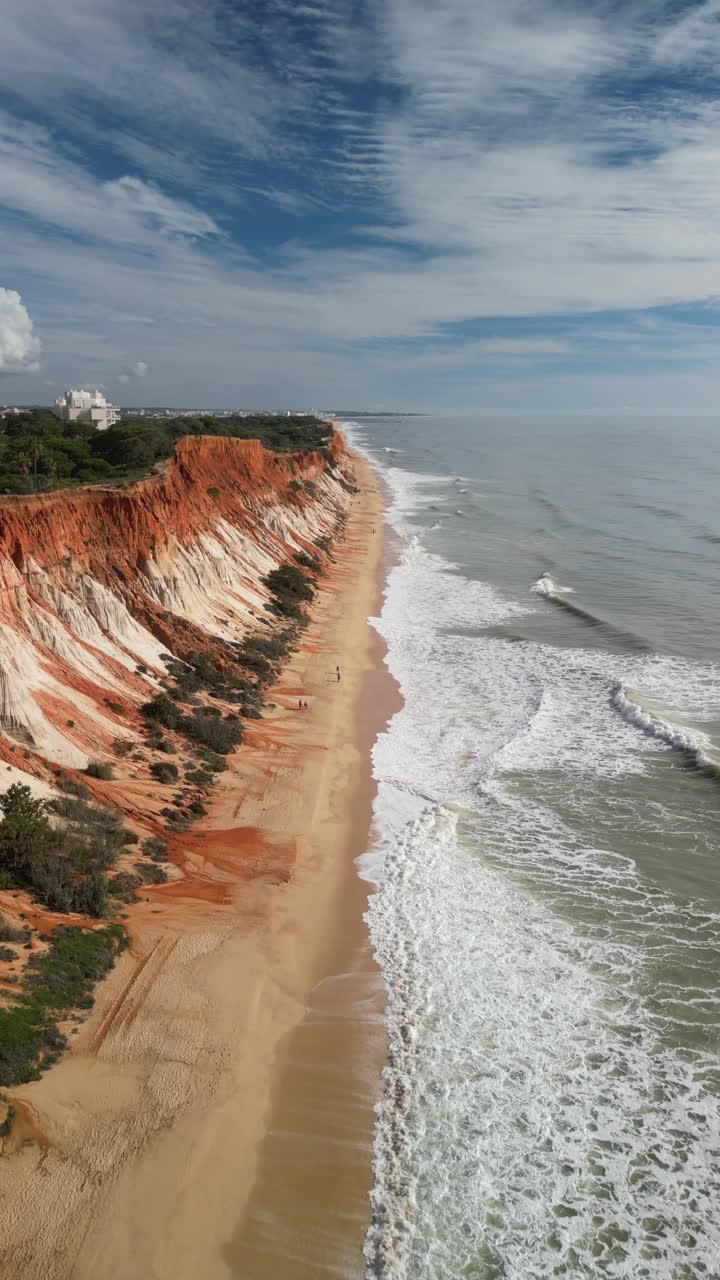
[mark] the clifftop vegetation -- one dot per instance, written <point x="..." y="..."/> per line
<point x="39" y="453"/>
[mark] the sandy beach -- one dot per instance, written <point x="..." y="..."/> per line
<point x="214" y="1116"/>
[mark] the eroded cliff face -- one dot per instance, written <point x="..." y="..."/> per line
<point x="98" y="587"/>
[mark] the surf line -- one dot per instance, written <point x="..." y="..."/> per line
<point x="546" y="588"/>
<point x="673" y="736"/>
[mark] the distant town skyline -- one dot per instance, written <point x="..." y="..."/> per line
<point x="484" y="205"/>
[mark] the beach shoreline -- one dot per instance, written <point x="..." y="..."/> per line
<point x="150" y="1135"/>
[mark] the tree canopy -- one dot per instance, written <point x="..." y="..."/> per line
<point x="39" y="453"/>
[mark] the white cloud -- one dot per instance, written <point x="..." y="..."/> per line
<point x="140" y="199"/>
<point x="509" y="169"/>
<point x="138" y="370"/>
<point x="496" y="351"/>
<point x="38" y="179"/>
<point x="19" y="347"/>
<point x="692" y="38"/>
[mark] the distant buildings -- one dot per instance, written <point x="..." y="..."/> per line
<point x="86" y="406"/>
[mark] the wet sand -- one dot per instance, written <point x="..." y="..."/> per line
<point x="308" y="1211"/>
<point x="215" y="1115"/>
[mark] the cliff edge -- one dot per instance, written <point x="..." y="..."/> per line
<point x="99" y="587"/>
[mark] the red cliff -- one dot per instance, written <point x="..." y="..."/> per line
<point x="98" y="585"/>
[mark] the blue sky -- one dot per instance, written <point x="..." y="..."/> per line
<point x="479" y="204"/>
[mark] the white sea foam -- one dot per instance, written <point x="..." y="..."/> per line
<point x="531" y="1117"/>
<point x="536" y="1120"/>
<point x="546" y="586"/>
<point x="695" y="744"/>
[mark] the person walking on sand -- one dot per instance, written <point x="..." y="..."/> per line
<point x="299" y="704"/>
<point x="305" y="706"/>
<point x="337" y="673"/>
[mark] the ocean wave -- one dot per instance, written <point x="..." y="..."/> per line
<point x="695" y="747"/>
<point x="526" y="1105"/>
<point x="546" y="587"/>
<point x="532" y="1100"/>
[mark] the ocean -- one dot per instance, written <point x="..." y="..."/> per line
<point x="546" y="906"/>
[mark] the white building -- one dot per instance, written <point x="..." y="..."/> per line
<point x="86" y="406"/>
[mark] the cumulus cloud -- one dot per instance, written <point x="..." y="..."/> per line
<point x="19" y="347"/>
<point x="138" y="370"/>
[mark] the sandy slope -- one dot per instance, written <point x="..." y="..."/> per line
<point x="147" y="1133"/>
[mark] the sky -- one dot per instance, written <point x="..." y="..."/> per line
<point x="473" y="205"/>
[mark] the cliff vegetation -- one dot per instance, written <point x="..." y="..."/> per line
<point x="39" y="453"/>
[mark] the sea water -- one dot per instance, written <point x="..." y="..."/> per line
<point x="546" y="867"/>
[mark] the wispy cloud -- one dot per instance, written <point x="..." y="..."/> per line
<point x="353" y="183"/>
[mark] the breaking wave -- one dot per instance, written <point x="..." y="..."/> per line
<point x="537" y="1117"/>
<point x="695" y="747"/>
<point x="546" y="588"/>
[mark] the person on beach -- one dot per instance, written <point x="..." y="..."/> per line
<point x="305" y="706"/>
<point x="337" y="673"/>
<point x="299" y="704"/>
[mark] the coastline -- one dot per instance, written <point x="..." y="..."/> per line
<point x="153" y="1131"/>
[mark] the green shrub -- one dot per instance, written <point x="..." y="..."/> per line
<point x="212" y="761"/>
<point x="295" y="486"/>
<point x="123" y="886"/>
<point x="72" y="787"/>
<point x="163" y="771"/>
<point x="307" y="561"/>
<point x="114" y="707"/>
<point x="90" y="896"/>
<point x="199" y="777"/>
<point x="198" y="809"/>
<point x="155" y="847"/>
<point x="258" y="663"/>
<point x="213" y="491"/>
<point x="63" y="865"/>
<point x="220" y="735"/>
<point x="100" y="769"/>
<point x="7" y="953"/>
<point x="151" y="873"/>
<point x="163" y="710"/>
<point x="24" y="828"/>
<point x="56" y="982"/>
<point x="8" y="932"/>
<point x="122" y="746"/>
<point x="262" y="653"/>
<point x="288" y="579"/>
<point x="177" y="822"/>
